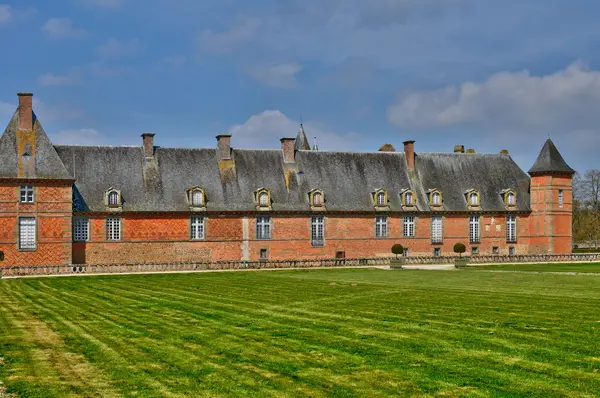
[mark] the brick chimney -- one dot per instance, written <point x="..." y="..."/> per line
<point x="459" y="149"/>
<point x="148" y="140"/>
<point x="287" y="146"/>
<point x="224" y="146"/>
<point x="409" y="153"/>
<point x="25" y="111"/>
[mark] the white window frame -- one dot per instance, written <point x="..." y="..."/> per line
<point x="317" y="202"/>
<point x="408" y="198"/>
<point x="561" y="198"/>
<point x="408" y="226"/>
<point x="436" y="199"/>
<point x="263" y="227"/>
<point x="381" y="199"/>
<point x="27" y="194"/>
<point x="317" y="231"/>
<point x="27" y="233"/>
<point x="474" y="229"/>
<point x="511" y="199"/>
<point x="115" y="195"/>
<point x="511" y="228"/>
<point x="81" y="229"/>
<point x="197" y="198"/>
<point x="111" y="234"/>
<point x="265" y="202"/>
<point x="437" y="229"/>
<point x="381" y="226"/>
<point x="197" y="229"/>
<point x="473" y="199"/>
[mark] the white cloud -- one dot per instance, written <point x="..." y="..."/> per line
<point x="263" y="130"/>
<point x="117" y="48"/>
<point x="5" y="13"/>
<point x="242" y="31"/>
<point x="281" y="75"/>
<point x="569" y="98"/>
<point x="83" y="136"/>
<point x="50" y="79"/>
<point x="56" y="112"/>
<point x="9" y="14"/>
<point x="61" y="28"/>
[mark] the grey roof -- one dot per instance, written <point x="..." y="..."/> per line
<point x="47" y="163"/>
<point x="550" y="161"/>
<point x="347" y="179"/>
<point x="301" y="141"/>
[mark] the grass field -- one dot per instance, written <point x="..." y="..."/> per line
<point x="363" y="332"/>
<point x="552" y="267"/>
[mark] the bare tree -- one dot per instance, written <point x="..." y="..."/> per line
<point x="586" y="207"/>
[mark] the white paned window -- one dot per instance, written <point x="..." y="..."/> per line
<point x="263" y="227"/>
<point x="381" y="227"/>
<point x="113" y="228"/>
<point x="197" y="228"/>
<point x="436" y="199"/>
<point x="317" y="199"/>
<point x="81" y="228"/>
<point x="474" y="229"/>
<point x="561" y="198"/>
<point x="381" y="199"/>
<point x="26" y="193"/>
<point x="197" y="197"/>
<point x="317" y="231"/>
<point x="437" y="231"/>
<point x="409" y="226"/>
<point x="511" y="199"/>
<point x="511" y="229"/>
<point x="27" y="233"/>
<point x="113" y="198"/>
<point x="474" y="199"/>
<point x="408" y="198"/>
<point x="263" y="199"/>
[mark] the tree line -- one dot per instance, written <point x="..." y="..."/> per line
<point x="586" y="209"/>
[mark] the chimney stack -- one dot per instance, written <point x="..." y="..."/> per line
<point x="459" y="149"/>
<point x="148" y="140"/>
<point x="504" y="152"/>
<point x="224" y="146"/>
<point x="409" y="153"/>
<point x="287" y="146"/>
<point x="25" y="111"/>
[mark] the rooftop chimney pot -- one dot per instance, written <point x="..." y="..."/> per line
<point x="148" y="141"/>
<point x="25" y="111"/>
<point x="409" y="153"/>
<point x="224" y="146"/>
<point x="287" y="146"/>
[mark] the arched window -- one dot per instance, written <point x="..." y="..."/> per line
<point x="197" y="197"/>
<point x="317" y="199"/>
<point x="381" y="199"/>
<point x="436" y="199"/>
<point x="113" y="198"/>
<point x="408" y="199"/>
<point x="473" y="199"/>
<point x="511" y="199"/>
<point x="263" y="199"/>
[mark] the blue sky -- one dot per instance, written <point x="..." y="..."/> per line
<point x="487" y="74"/>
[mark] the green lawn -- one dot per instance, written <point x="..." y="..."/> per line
<point x="552" y="267"/>
<point x="362" y="332"/>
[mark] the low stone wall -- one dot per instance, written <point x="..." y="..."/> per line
<point x="25" y="270"/>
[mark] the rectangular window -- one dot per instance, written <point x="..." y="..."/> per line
<point x="511" y="251"/>
<point x="317" y="231"/>
<point x="406" y="252"/>
<point x="381" y="227"/>
<point x="561" y="198"/>
<point x="511" y="229"/>
<point x="474" y="250"/>
<point x="113" y="228"/>
<point x="197" y="228"/>
<point x="495" y="250"/>
<point x="409" y="226"/>
<point x="474" y="229"/>
<point x="26" y="193"/>
<point x="27" y="233"/>
<point x="264" y="254"/>
<point x="437" y="231"/>
<point x="437" y="252"/>
<point x="263" y="227"/>
<point x="81" y="229"/>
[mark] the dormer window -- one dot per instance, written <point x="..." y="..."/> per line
<point x="436" y="199"/>
<point x="113" y="199"/>
<point x="380" y="199"/>
<point x="316" y="198"/>
<point x="473" y="198"/>
<point x="196" y="197"/>
<point x="510" y="197"/>
<point x="262" y="199"/>
<point x="408" y="198"/>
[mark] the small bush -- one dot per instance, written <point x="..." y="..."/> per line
<point x="586" y="250"/>
<point x="398" y="249"/>
<point x="460" y="248"/>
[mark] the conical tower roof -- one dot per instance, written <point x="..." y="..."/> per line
<point x="301" y="140"/>
<point x="550" y="161"/>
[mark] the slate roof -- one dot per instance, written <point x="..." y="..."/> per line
<point x="47" y="163"/>
<point x="550" y="161"/>
<point x="301" y="141"/>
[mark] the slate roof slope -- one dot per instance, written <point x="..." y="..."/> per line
<point x="347" y="178"/>
<point x="550" y="161"/>
<point x="454" y="174"/>
<point x="301" y="143"/>
<point x="48" y="164"/>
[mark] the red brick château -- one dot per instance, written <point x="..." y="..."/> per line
<point x="63" y="204"/>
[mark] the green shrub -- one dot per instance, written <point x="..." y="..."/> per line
<point x="398" y="249"/>
<point x="586" y="250"/>
<point x="460" y="248"/>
